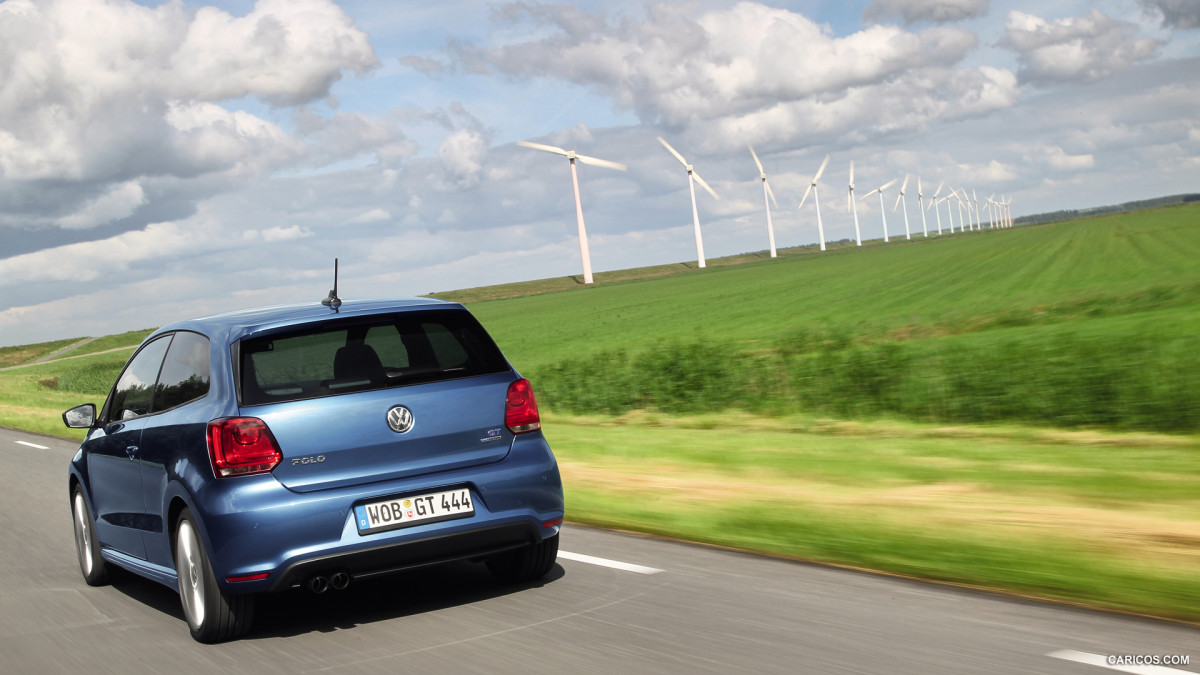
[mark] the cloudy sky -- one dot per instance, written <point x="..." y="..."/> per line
<point x="162" y="160"/>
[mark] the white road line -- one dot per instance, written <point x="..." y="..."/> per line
<point x="32" y="445"/>
<point x="1102" y="662"/>
<point x="604" y="562"/>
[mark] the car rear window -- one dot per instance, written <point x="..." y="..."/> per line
<point x="358" y="355"/>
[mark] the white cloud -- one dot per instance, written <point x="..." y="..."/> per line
<point x="286" y="52"/>
<point x="211" y="138"/>
<point x="119" y="202"/>
<point x="285" y="233"/>
<point x="462" y="154"/>
<point x="89" y="261"/>
<point x="109" y="93"/>
<point x="373" y="216"/>
<point x="751" y="71"/>
<point x="916" y="11"/>
<point x="1087" y="48"/>
<point x="1056" y="158"/>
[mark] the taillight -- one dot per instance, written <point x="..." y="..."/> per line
<point x="520" y="410"/>
<point x="241" y="446"/>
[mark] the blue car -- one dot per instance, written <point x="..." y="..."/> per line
<point x="311" y="446"/>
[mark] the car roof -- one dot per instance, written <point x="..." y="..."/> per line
<point x="230" y="326"/>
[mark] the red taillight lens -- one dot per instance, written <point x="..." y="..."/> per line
<point x="520" y="410"/>
<point x="241" y="446"/>
<point x="248" y="577"/>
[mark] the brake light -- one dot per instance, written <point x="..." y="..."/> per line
<point x="242" y="446"/>
<point x="520" y="410"/>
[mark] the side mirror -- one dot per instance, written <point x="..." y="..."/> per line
<point x="81" y="416"/>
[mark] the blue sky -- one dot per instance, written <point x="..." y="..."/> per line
<point x="164" y="160"/>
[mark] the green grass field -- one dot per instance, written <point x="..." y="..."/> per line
<point x="1016" y="410"/>
<point x="1085" y="323"/>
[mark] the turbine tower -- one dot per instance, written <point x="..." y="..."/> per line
<point x="571" y="155"/>
<point x="933" y="202"/>
<point x="813" y="189"/>
<point x="899" y="199"/>
<point x="961" y="225"/>
<point x="693" y="178"/>
<point x="882" y="208"/>
<point x="852" y="206"/>
<point x="767" y="192"/>
<point x="921" y="207"/>
<point x="949" y="212"/>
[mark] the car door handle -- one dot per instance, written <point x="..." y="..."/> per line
<point x="131" y="450"/>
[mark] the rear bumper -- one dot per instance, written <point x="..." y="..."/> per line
<point x="388" y="558"/>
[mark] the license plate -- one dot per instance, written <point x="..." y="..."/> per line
<point x="390" y="514"/>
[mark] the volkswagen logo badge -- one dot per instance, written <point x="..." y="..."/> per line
<point x="400" y="419"/>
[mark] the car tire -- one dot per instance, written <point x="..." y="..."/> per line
<point x="87" y="546"/>
<point x="212" y="615"/>
<point x="525" y="564"/>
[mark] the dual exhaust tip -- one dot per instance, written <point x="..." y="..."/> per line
<point x="321" y="583"/>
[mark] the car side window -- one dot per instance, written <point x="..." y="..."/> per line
<point x="134" y="393"/>
<point x="184" y="374"/>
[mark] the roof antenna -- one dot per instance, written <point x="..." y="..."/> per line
<point x="333" y="301"/>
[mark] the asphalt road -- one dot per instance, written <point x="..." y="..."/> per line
<point x="673" y="608"/>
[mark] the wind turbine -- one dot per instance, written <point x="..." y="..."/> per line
<point x="762" y="174"/>
<point x="571" y="155"/>
<point x="813" y="189"/>
<point x="961" y="226"/>
<point x="978" y="218"/>
<point x="882" y="208"/>
<point x="900" y="198"/>
<point x="933" y="202"/>
<point x="992" y="211"/>
<point x="851" y="205"/>
<point x="949" y="213"/>
<point x="921" y="207"/>
<point x="693" y="178"/>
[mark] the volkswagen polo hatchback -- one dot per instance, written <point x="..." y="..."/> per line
<point x="311" y="446"/>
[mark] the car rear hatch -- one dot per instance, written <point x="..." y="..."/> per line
<point x="367" y="399"/>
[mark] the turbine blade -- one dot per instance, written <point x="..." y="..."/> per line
<point x="868" y="194"/>
<point x="904" y="186"/>
<point x="851" y="173"/>
<point x="672" y="151"/>
<point x="596" y="161"/>
<point x="919" y="192"/>
<point x="771" y="194"/>
<point x="806" y="193"/>
<point x="543" y="148"/>
<point x="939" y="190"/>
<point x="756" y="162"/>
<point x="705" y="185"/>
<point x="821" y="170"/>
<point x="888" y="184"/>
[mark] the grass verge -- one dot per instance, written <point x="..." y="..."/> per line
<point x="1111" y="520"/>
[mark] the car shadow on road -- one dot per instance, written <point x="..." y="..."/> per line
<point x="299" y="612"/>
<point x="408" y="593"/>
